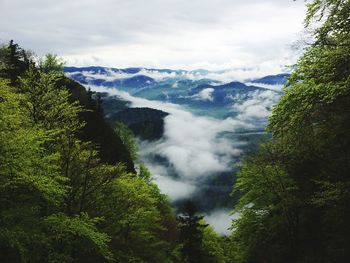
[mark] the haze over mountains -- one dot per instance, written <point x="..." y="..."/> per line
<point x="196" y="89"/>
<point x="199" y="125"/>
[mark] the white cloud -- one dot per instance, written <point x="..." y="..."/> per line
<point x="194" y="149"/>
<point x="192" y="144"/>
<point x="172" y="33"/>
<point x="227" y="73"/>
<point x="175" y="189"/>
<point x="266" y="86"/>
<point x="257" y="107"/>
<point x="221" y="220"/>
<point x="157" y="75"/>
<point x="223" y="76"/>
<point x="205" y="94"/>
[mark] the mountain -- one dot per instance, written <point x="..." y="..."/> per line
<point x="96" y="129"/>
<point x="194" y="89"/>
<point x="137" y="81"/>
<point x="146" y="123"/>
<point x="198" y="109"/>
<point x="221" y="94"/>
<point x="279" y="79"/>
<point x="101" y="70"/>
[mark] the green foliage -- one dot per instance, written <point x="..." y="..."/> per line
<point x="14" y="61"/>
<point x="144" y="173"/>
<point x="268" y="207"/>
<point x="213" y="246"/>
<point x="135" y="222"/>
<point x="47" y="105"/>
<point x="31" y="184"/>
<point x="294" y="204"/>
<point x="75" y="235"/>
<point x="200" y="243"/>
<point x="110" y="147"/>
<point x="245" y="240"/>
<point x="263" y="182"/>
<point x="22" y="148"/>
<point x="191" y="234"/>
<point x="51" y="63"/>
<point x="59" y="200"/>
<point x="127" y="138"/>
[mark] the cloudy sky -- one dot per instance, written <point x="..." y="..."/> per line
<point x="211" y="34"/>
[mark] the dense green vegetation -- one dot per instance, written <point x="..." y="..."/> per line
<point x="146" y="123"/>
<point x="69" y="191"/>
<point x="295" y="191"/>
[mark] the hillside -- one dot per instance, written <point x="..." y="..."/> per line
<point x="144" y="122"/>
<point x="96" y="129"/>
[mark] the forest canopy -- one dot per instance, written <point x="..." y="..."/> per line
<point x="72" y="190"/>
<point x="69" y="187"/>
<point x="295" y="195"/>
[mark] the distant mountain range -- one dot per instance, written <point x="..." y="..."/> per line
<point x="194" y="89"/>
<point x="201" y="97"/>
<point x="139" y="78"/>
<point x="279" y="79"/>
<point x="133" y="70"/>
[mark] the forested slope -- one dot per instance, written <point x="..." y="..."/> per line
<point x="68" y="187"/>
<point x="66" y="191"/>
<point x="69" y="191"/>
<point x="295" y="190"/>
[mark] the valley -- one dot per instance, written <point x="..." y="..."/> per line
<point x="192" y="128"/>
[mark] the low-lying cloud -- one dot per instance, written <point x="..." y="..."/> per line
<point x="266" y="86"/>
<point x="175" y="188"/>
<point x="192" y="144"/>
<point x="194" y="148"/>
<point x="257" y="107"/>
<point x="223" y="76"/>
<point x="205" y="94"/>
<point x="221" y="220"/>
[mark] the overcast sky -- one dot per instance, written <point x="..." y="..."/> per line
<point x="211" y="34"/>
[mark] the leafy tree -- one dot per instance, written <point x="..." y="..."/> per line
<point x="51" y="63"/>
<point x="48" y="106"/>
<point x="212" y="245"/>
<point x="31" y="185"/>
<point x="73" y="238"/>
<point x="128" y="138"/>
<point x="199" y="241"/>
<point x="191" y="234"/>
<point x="269" y="210"/>
<point x="14" y="61"/>
<point x="294" y="204"/>
<point x="133" y="222"/>
<point x="59" y="200"/>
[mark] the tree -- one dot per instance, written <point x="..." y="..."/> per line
<point x="14" y="61"/>
<point x="35" y="125"/>
<point x="128" y="138"/>
<point x="294" y="203"/>
<point x="191" y="234"/>
<point x="133" y="221"/>
<point x="267" y="228"/>
<point x="47" y="105"/>
<point x="51" y="63"/>
<point x="212" y="245"/>
<point x="31" y="185"/>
